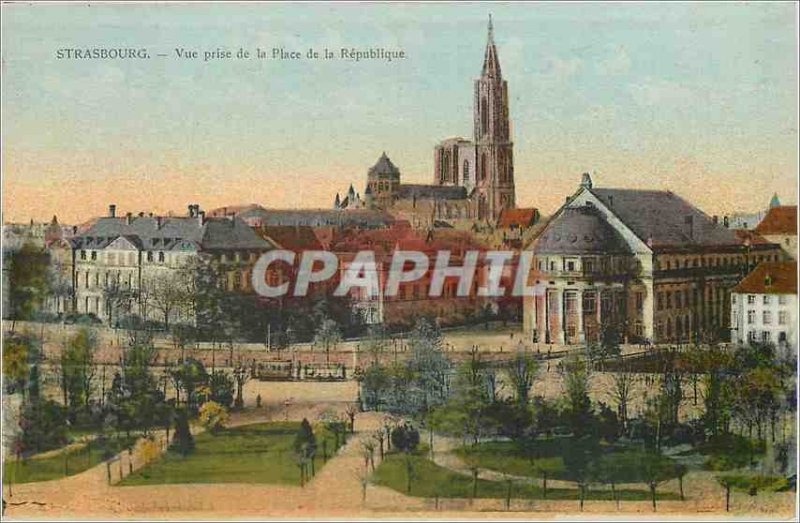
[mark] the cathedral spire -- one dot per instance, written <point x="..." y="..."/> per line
<point x="491" y="64"/>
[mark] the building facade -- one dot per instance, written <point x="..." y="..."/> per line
<point x="764" y="306"/>
<point x="472" y="180"/>
<point x="645" y="263"/>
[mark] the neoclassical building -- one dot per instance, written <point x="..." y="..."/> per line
<point x="646" y="263"/>
<point x="472" y="180"/>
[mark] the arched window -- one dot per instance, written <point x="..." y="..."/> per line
<point x="465" y="171"/>
<point x="484" y="164"/>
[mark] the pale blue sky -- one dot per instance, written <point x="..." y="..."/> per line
<point x="697" y="98"/>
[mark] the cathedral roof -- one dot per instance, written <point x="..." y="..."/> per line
<point x="491" y="63"/>
<point x="580" y="230"/>
<point x="433" y="192"/>
<point x="384" y="166"/>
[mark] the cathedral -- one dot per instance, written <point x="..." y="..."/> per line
<point x="472" y="180"/>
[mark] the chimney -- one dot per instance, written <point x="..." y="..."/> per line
<point x="128" y="218"/>
<point x="141" y="214"/>
<point x="688" y="220"/>
<point x="726" y="222"/>
<point x="75" y="230"/>
<point x="191" y="210"/>
<point x="158" y="222"/>
<point x="201" y="218"/>
<point x="112" y="211"/>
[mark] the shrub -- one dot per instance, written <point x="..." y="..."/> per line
<point x="405" y="438"/>
<point x="213" y="416"/>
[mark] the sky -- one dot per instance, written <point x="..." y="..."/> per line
<point x="697" y="98"/>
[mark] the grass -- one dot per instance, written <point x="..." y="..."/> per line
<point x="63" y="464"/>
<point x="258" y="453"/>
<point x="430" y="480"/>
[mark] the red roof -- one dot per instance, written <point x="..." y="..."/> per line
<point x="294" y="238"/>
<point x="518" y="217"/>
<point x="750" y="237"/>
<point x="770" y="278"/>
<point x="779" y="220"/>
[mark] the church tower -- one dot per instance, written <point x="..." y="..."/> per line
<point x="494" y="151"/>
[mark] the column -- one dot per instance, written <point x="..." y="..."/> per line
<point x="562" y="317"/>
<point x="548" y="338"/>
<point x="581" y="334"/>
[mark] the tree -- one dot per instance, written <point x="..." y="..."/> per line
<point x="405" y="438"/>
<point x="328" y="335"/>
<point x="623" y="382"/>
<point x="240" y="376"/>
<point x="188" y="376"/>
<point x="428" y="366"/>
<point x="221" y="386"/>
<point x="213" y="416"/>
<point x="521" y="371"/>
<point x="182" y="440"/>
<point x="28" y="283"/>
<point x="19" y="352"/>
<point x="305" y="448"/>
<point x="575" y="381"/>
<point x="614" y="468"/>
<point x="375" y="344"/>
<point x="655" y="469"/>
<point x="78" y="369"/>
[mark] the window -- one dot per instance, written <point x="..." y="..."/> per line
<point x="552" y="265"/>
<point x="640" y="301"/>
<point x="94" y="255"/>
<point x="751" y="300"/>
<point x="161" y="257"/>
<point x="783" y="318"/>
<point x="589" y="302"/>
<point x="571" y="266"/>
<point x="782" y="299"/>
<point x="83" y="255"/>
<point x="751" y="317"/>
<point x="751" y="336"/>
<point x="660" y="301"/>
<point x="767" y="317"/>
<point x="465" y="170"/>
<point x="669" y="300"/>
<point x="149" y="256"/>
<point x="766" y="336"/>
<point x="678" y="300"/>
<point x="588" y="266"/>
<point x="733" y="299"/>
<point x="766" y="299"/>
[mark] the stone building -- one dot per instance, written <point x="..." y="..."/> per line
<point x="764" y="306"/>
<point x="645" y="263"/>
<point x="472" y="180"/>
<point x="129" y="263"/>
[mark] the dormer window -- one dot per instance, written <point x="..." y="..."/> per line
<point x="94" y="255"/>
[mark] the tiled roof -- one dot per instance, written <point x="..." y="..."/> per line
<point x="770" y="278"/>
<point x="432" y="192"/>
<point x="295" y="238"/>
<point x="383" y="166"/>
<point x="148" y="233"/>
<point x="779" y="220"/>
<point x="664" y="219"/>
<point x="579" y="230"/>
<point x="750" y="237"/>
<point x="517" y="217"/>
<point x="317" y="217"/>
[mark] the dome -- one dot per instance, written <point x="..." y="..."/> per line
<point x="580" y="230"/>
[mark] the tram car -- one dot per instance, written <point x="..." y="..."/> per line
<point x="273" y="371"/>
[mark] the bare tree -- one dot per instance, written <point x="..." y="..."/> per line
<point x="623" y="382"/>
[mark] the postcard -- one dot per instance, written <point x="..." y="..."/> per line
<point x="417" y="261"/>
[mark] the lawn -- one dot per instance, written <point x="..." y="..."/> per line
<point x="430" y="480"/>
<point x="258" y="453"/>
<point x="63" y="464"/>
